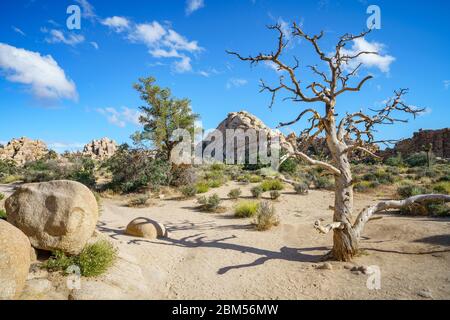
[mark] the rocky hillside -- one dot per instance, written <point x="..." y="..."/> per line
<point x="439" y="139"/>
<point x="23" y="150"/>
<point x="100" y="149"/>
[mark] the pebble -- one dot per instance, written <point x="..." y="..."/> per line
<point x="426" y="293"/>
<point x="325" y="266"/>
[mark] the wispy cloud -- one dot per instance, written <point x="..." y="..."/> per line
<point x="19" y="31"/>
<point x="121" y="117"/>
<point x="236" y="83"/>
<point x="194" y="5"/>
<point x="42" y="73"/>
<point x="87" y="10"/>
<point x="95" y="45"/>
<point x="446" y="84"/>
<point x="118" y="24"/>
<point x="58" y="36"/>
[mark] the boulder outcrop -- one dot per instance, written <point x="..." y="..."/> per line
<point x="23" y="150"/>
<point x="100" y="149"/>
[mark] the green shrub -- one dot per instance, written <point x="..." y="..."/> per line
<point x="301" y="188"/>
<point x="2" y="196"/>
<point x="139" y="201"/>
<point x="2" y="214"/>
<point x="274" y="195"/>
<point x="7" y="168"/>
<point x="271" y="185"/>
<point x="94" y="259"/>
<point x="218" y="166"/>
<point x="216" y="183"/>
<point x="246" y="209"/>
<point x="202" y="187"/>
<point x="417" y="160"/>
<point x="396" y="161"/>
<point x="189" y="191"/>
<point x="442" y="187"/>
<point x="366" y="185"/>
<point x="440" y="209"/>
<point x="244" y="178"/>
<point x="257" y="192"/>
<point x="234" y="194"/>
<point x="324" y="182"/>
<point x="255" y="178"/>
<point x="183" y="175"/>
<point x="209" y="204"/>
<point x="266" y="217"/>
<point x="289" y="166"/>
<point x="407" y="191"/>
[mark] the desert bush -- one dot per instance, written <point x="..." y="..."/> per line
<point x="271" y="185"/>
<point x="396" y="161"/>
<point x="202" y="187"/>
<point x="133" y="169"/>
<point x="2" y="196"/>
<point x="442" y="187"/>
<point x="268" y="172"/>
<point x="274" y="195"/>
<point x="234" y="194"/>
<point x="8" y="169"/>
<point x="2" y="214"/>
<point x="289" y="166"/>
<point x="189" y="191"/>
<point x="209" y="204"/>
<point x="246" y="209"/>
<point x="257" y="192"/>
<point x="244" y="178"/>
<point x="406" y="191"/>
<point x="94" y="260"/>
<point x="216" y="183"/>
<point x="255" y="178"/>
<point x="366" y="185"/>
<point x="324" y="182"/>
<point x="266" y="217"/>
<point x="301" y="188"/>
<point x="183" y="176"/>
<point x="417" y="160"/>
<point x="218" y="166"/>
<point x="139" y="201"/>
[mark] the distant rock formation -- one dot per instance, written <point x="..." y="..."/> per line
<point x="100" y="149"/>
<point x="23" y="150"/>
<point x="439" y="139"/>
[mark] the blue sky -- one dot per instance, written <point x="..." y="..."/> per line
<point x="68" y="87"/>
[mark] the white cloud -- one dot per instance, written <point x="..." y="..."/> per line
<point x="18" y="31"/>
<point x="446" y="84"/>
<point x="118" y="24"/>
<point x="41" y="73"/>
<point x="380" y="61"/>
<point x="235" y="83"/>
<point x="148" y="33"/>
<point x="87" y="10"/>
<point x="120" y="118"/>
<point x="194" y="5"/>
<point x="94" y="44"/>
<point x="58" y="36"/>
<point x="183" y="65"/>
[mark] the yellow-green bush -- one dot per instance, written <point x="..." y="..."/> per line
<point x="271" y="185"/>
<point x="246" y="209"/>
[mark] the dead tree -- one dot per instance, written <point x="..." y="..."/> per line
<point x="344" y="134"/>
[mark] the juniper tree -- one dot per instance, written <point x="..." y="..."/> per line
<point x="162" y="115"/>
<point x="344" y="134"/>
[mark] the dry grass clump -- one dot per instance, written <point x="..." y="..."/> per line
<point x="246" y="209"/>
<point x="266" y="217"/>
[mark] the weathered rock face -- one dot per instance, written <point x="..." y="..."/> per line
<point x="100" y="149"/>
<point x="146" y="228"/>
<point x="56" y="215"/>
<point x="439" y="139"/>
<point x="245" y="121"/>
<point x="23" y="150"/>
<point x="15" y="251"/>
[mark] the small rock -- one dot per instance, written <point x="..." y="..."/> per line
<point x="426" y="293"/>
<point x="146" y="228"/>
<point x="357" y="272"/>
<point x="325" y="266"/>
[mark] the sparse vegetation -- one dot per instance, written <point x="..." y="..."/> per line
<point x="246" y="209"/>
<point x="2" y="214"/>
<point x="2" y="196"/>
<point x="202" y="187"/>
<point x="324" y="182"/>
<point x="301" y="188"/>
<point x="139" y="201"/>
<point x="257" y="192"/>
<point x="266" y="217"/>
<point x="272" y="185"/>
<point x="417" y="160"/>
<point x="274" y="195"/>
<point x="189" y="191"/>
<point x="234" y="194"/>
<point x="209" y="204"/>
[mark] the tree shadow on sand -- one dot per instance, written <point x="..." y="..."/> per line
<point x="199" y="241"/>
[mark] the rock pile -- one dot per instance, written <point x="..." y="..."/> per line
<point x="23" y="150"/>
<point x="100" y="149"/>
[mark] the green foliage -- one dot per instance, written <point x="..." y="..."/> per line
<point x="133" y="169"/>
<point x="255" y="178"/>
<point x="396" y="161"/>
<point x="366" y="185"/>
<point x="408" y="190"/>
<point x="417" y="160"/>
<point x="209" y="204"/>
<point x="234" y="194"/>
<point x="189" y="191"/>
<point x="272" y="184"/>
<point x="2" y="214"/>
<point x="289" y="166"/>
<point x="94" y="260"/>
<point x="257" y="192"/>
<point x="442" y="187"/>
<point x="324" y="182"/>
<point x="2" y="196"/>
<point x="274" y="195"/>
<point x="162" y="115"/>
<point x="202" y="187"/>
<point x="215" y="183"/>
<point x="183" y="175"/>
<point x="246" y="209"/>
<point x="301" y="188"/>
<point x="266" y="217"/>
<point x="218" y="166"/>
<point x="8" y="168"/>
<point x="139" y="201"/>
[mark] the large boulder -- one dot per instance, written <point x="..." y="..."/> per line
<point x="23" y="150"/>
<point x="56" y="215"/>
<point x="100" y="149"/>
<point x="146" y="228"/>
<point x="15" y="251"/>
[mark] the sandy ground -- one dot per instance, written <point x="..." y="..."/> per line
<point x="215" y="256"/>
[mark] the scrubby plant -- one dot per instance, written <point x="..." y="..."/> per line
<point x="324" y="182"/>
<point x="406" y="191"/>
<point x="396" y="161"/>
<point x="234" y="194"/>
<point x="209" y="204"/>
<point x="215" y="183"/>
<point x="272" y="184"/>
<point x="246" y="209"/>
<point x="244" y="178"/>
<point x="202" y="187"/>
<point x="366" y="185"/>
<point x="218" y="166"/>
<point x="8" y="169"/>
<point x="417" y="160"/>
<point x="2" y="214"/>
<point x="257" y="192"/>
<point x="289" y="166"/>
<point x="255" y="178"/>
<point x="94" y="259"/>
<point x="442" y="187"/>
<point x="189" y="191"/>
<point x="139" y="201"/>
<point x="274" y="195"/>
<point x="266" y="217"/>
<point x="2" y="196"/>
<point x="301" y="188"/>
<point x="183" y="175"/>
